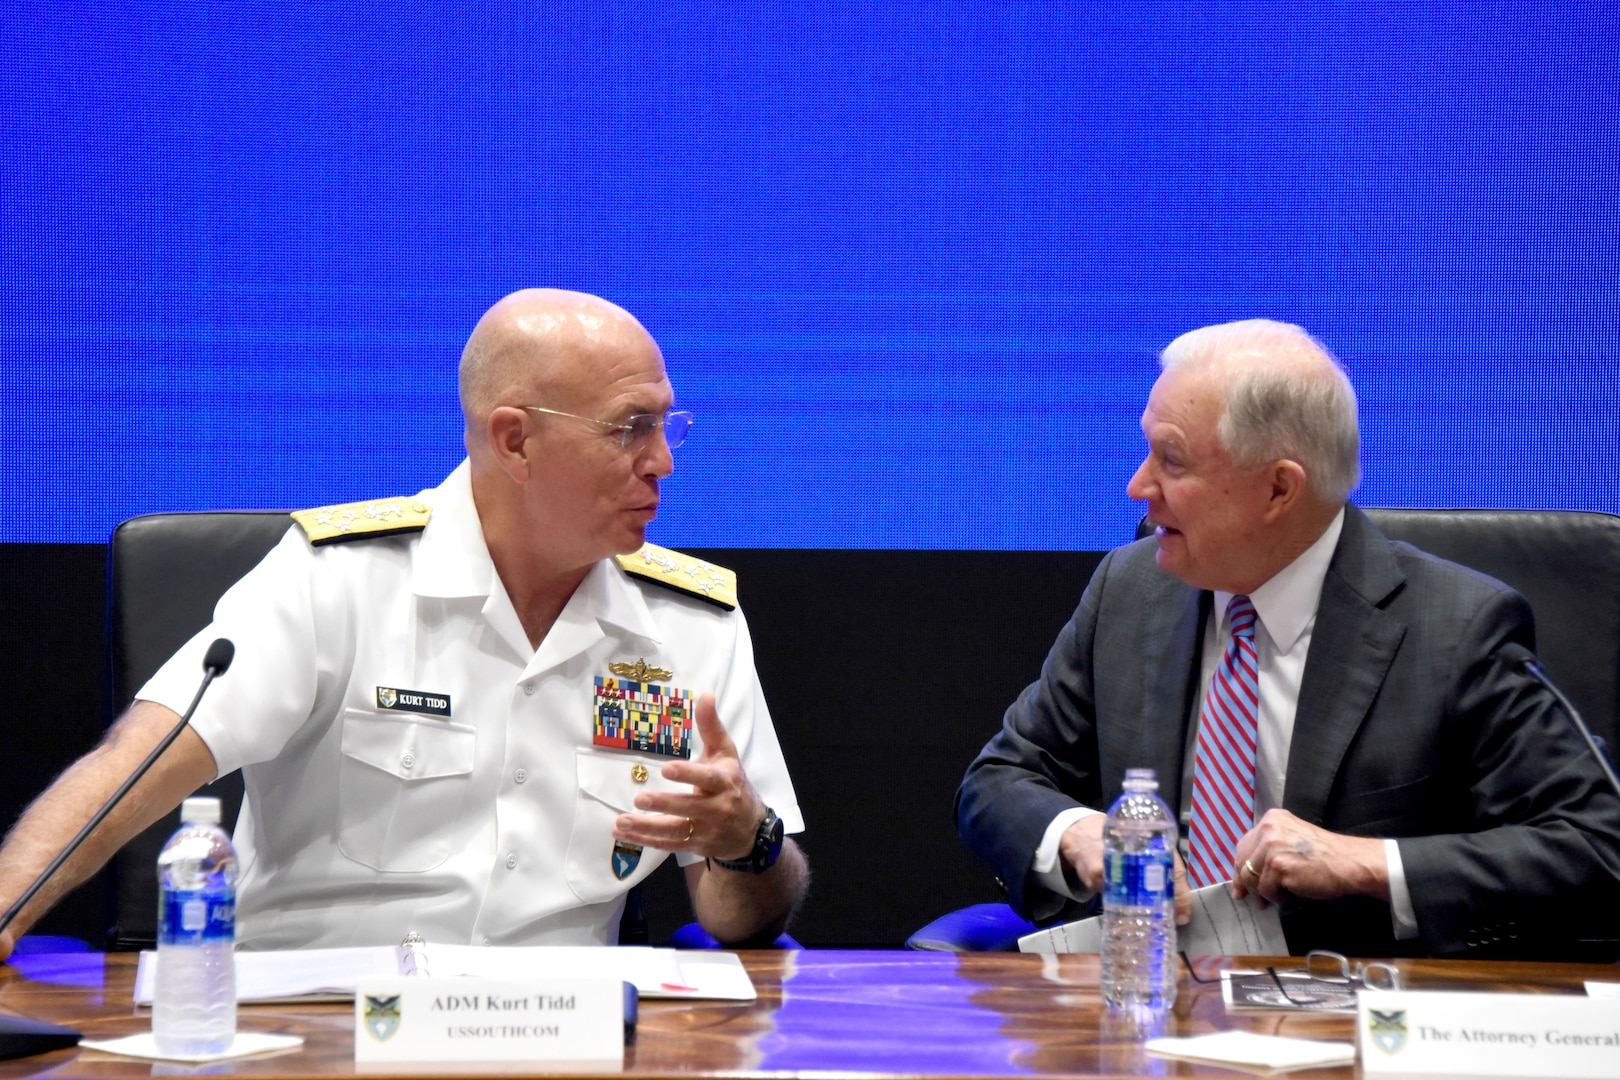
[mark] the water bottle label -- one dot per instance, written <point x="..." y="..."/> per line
<point x="1138" y="880"/>
<point x="197" y="918"/>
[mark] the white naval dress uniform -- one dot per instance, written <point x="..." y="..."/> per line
<point x="489" y="825"/>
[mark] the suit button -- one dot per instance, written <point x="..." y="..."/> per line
<point x="520" y="776"/>
<point x="528" y="688"/>
<point x="511" y="861"/>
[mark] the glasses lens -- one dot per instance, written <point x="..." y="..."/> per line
<point x="636" y="430"/>
<point x="676" y="427"/>
<point x="1381" y="977"/>
<point x="1327" y="966"/>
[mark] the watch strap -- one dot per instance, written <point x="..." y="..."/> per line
<point x="767" y="847"/>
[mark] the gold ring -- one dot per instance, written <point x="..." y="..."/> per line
<point x="1249" y="866"/>
<point x="692" y="828"/>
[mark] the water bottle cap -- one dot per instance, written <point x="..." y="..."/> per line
<point x="200" y="810"/>
<point x="1141" y="780"/>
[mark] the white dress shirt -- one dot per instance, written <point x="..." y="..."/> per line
<point x="489" y="825"/>
<point x="1286" y="609"/>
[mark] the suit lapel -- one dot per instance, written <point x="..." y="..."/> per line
<point x="1352" y="645"/>
<point x="1165" y="742"/>
<point x="1146" y="659"/>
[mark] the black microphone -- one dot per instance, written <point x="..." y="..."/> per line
<point x="20" y="1037"/>
<point x="1515" y="653"/>
<point x="216" y="661"/>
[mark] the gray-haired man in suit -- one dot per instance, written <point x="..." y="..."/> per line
<point x="1411" y="791"/>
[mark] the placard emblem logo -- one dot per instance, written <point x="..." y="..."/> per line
<point x="382" y="1016"/>
<point x="1388" y="1029"/>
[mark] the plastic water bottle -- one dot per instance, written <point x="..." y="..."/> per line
<point x="1139" y="911"/>
<point x="194" y="1001"/>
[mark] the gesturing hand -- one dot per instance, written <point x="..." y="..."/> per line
<point x="717" y="818"/>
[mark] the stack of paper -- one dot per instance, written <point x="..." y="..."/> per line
<point x="1220" y="926"/>
<point x="331" y="974"/>
<point x="1258" y="1053"/>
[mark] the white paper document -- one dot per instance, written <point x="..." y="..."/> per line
<point x="1220" y="926"/>
<point x="246" y="1044"/>
<point x="1257" y="1053"/>
<point x="331" y="974"/>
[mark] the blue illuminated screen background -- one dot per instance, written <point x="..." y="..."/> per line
<point x="910" y="263"/>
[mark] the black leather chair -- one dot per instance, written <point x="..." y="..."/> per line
<point x="165" y="572"/>
<point x="1566" y="563"/>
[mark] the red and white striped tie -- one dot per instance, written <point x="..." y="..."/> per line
<point x="1223" y="764"/>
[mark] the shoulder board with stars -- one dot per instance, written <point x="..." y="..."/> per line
<point x="682" y="573"/>
<point x="355" y="521"/>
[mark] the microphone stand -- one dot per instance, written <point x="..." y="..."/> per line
<point x="1530" y="664"/>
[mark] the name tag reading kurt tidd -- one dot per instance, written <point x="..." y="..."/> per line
<point x="414" y="1024"/>
<point x="1444" y="1033"/>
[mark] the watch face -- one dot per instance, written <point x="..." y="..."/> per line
<point x="772" y="835"/>
<point x="767" y="846"/>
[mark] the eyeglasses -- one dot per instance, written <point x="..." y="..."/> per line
<point x="1325" y="965"/>
<point x="1334" y="973"/>
<point x="1328" y="979"/>
<point x="635" y="431"/>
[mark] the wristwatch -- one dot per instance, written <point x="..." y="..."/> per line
<point x="767" y="846"/>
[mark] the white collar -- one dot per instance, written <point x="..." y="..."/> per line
<point x="1286" y="604"/>
<point x="606" y="597"/>
<point x="452" y="560"/>
<point x="613" y="596"/>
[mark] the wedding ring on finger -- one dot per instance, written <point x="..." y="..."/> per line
<point x="690" y="829"/>
<point x="1249" y="866"/>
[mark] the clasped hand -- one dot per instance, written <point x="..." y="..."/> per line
<point x="1081" y="850"/>
<point x="717" y="818"/>
<point x="1281" y="858"/>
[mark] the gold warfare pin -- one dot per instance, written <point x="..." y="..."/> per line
<point x="639" y="671"/>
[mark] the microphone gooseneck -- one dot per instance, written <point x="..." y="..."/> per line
<point x="1514" y="653"/>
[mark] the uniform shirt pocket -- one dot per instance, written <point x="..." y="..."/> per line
<point x="607" y="788"/>
<point x="401" y="785"/>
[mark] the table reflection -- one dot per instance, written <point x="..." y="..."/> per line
<point x="905" y="1012"/>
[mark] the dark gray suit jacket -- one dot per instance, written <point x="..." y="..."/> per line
<point x="1408" y="726"/>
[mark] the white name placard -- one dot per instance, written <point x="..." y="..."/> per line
<point x="1421" y="1032"/>
<point x="416" y="1021"/>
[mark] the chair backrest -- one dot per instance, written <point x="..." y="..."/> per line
<point x="1565" y="562"/>
<point x="165" y="573"/>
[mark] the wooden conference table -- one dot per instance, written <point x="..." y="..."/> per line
<point x="826" y="1012"/>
